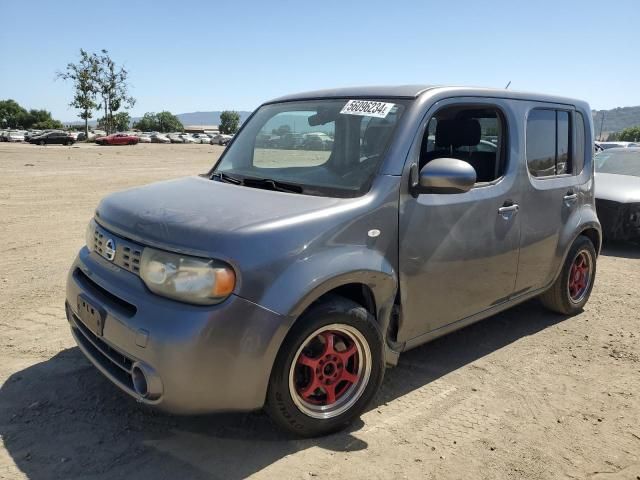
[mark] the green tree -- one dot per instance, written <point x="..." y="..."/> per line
<point x="160" y="122"/>
<point x="113" y="87"/>
<point x="121" y="121"/>
<point x="48" y="124"/>
<point x="167" y="122"/>
<point x="229" y="122"/>
<point x="84" y="76"/>
<point x="12" y="115"/>
<point x="631" y="134"/>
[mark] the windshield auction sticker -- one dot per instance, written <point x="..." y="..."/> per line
<point x="367" y="108"/>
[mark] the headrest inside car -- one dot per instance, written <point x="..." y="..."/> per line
<point x="468" y="132"/>
<point x="446" y="133"/>
<point x="458" y="132"/>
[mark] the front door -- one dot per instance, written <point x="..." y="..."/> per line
<point x="458" y="253"/>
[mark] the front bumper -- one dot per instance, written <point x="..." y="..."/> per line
<point x="620" y="221"/>
<point x="199" y="358"/>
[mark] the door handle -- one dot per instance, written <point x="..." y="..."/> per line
<point x="507" y="209"/>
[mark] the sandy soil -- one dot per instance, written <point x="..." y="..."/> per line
<point x="525" y="394"/>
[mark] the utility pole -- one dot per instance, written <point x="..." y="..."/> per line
<point x="601" y="125"/>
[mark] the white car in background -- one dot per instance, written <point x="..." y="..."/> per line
<point x="159" y="138"/>
<point x="607" y="145"/>
<point x="187" y="138"/>
<point x="221" y="139"/>
<point x="143" y="138"/>
<point x="175" y="137"/>
<point x="202" y="138"/>
<point x="15" y="136"/>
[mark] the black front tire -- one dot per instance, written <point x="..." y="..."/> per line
<point x="280" y="402"/>
<point x="558" y="298"/>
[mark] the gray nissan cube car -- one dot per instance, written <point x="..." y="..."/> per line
<point x="339" y="229"/>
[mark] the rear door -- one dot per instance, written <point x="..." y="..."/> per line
<point x="550" y="196"/>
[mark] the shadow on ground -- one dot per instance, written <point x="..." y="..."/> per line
<point x="621" y="249"/>
<point x="62" y="419"/>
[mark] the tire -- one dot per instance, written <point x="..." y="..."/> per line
<point x="42" y="143"/>
<point x="571" y="290"/>
<point x="354" y="378"/>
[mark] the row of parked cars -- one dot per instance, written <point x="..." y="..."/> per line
<point x="39" y="137"/>
<point x="45" y="137"/>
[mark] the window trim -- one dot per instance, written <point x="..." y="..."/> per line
<point x="570" y="111"/>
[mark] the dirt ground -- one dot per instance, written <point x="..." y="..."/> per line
<point x="524" y="394"/>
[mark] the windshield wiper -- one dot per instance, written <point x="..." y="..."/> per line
<point x="225" y="177"/>
<point x="270" y="184"/>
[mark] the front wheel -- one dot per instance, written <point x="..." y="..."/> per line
<point x="571" y="290"/>
<point x="327" y="370"/>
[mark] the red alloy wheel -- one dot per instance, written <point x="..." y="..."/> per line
<point x="329" y="374"/>
<point x="330" y="371"/>
<point x="579" y="276"/>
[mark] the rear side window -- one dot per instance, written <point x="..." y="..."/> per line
<point x="549" y="142"/>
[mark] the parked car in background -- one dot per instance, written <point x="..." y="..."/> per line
<point x="608" y="145"/>
<point x="187" y="138"/>
<point x="175" y="137"/>
<point x="221" y="139"/>
<point x="118" y="139"/>
<point x="52" y="138"/>
<point x="202" y="138"/>
<point x="160" y="138"/>
<point x="289" y="278"/>
<point x="144" y="138"/>
<point x="617" y="182"/>
<point x="33" y="133"/>
<point x="15" y="136"/>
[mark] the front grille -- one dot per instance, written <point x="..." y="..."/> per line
<point x="103" y="295"/>
<point x="127" y="253"/>
<point x="116" y="363"/>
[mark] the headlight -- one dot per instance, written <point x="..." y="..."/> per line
<point x="89" y="235"/>
<point x="187" y="279"/>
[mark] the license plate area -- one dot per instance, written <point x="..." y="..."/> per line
<point x="91" y="315"/>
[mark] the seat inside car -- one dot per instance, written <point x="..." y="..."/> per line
<point x="459" y="138"/>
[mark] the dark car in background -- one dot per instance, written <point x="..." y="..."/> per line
<point x="59" y="138"/>
<point x="618" y="192"/>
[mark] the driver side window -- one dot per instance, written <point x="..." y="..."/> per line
<point x="474" y="134"/>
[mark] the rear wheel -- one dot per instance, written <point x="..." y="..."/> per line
<point x="42" y="142"/>
<point x="572" y="288"/>
<point x="328" y="369"/>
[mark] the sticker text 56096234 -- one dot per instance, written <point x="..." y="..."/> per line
<point x="367" y="108"/>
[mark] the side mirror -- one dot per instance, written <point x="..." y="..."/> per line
<point x="444" y="175"/>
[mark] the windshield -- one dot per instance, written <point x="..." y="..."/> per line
<point x="330" y="147"/>
<point x="621" y="162"/>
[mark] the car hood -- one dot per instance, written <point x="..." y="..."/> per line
<point x="617" y="188"/>
<point x="199" y="216"/>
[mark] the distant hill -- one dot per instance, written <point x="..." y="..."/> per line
<point x="615" y="120"/>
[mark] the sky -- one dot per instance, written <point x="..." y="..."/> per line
<point x="207" y="55"/>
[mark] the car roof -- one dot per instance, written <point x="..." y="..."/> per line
<point x="414" y="91"/>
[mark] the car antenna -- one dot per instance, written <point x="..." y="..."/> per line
<point x="507" y="87"/>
